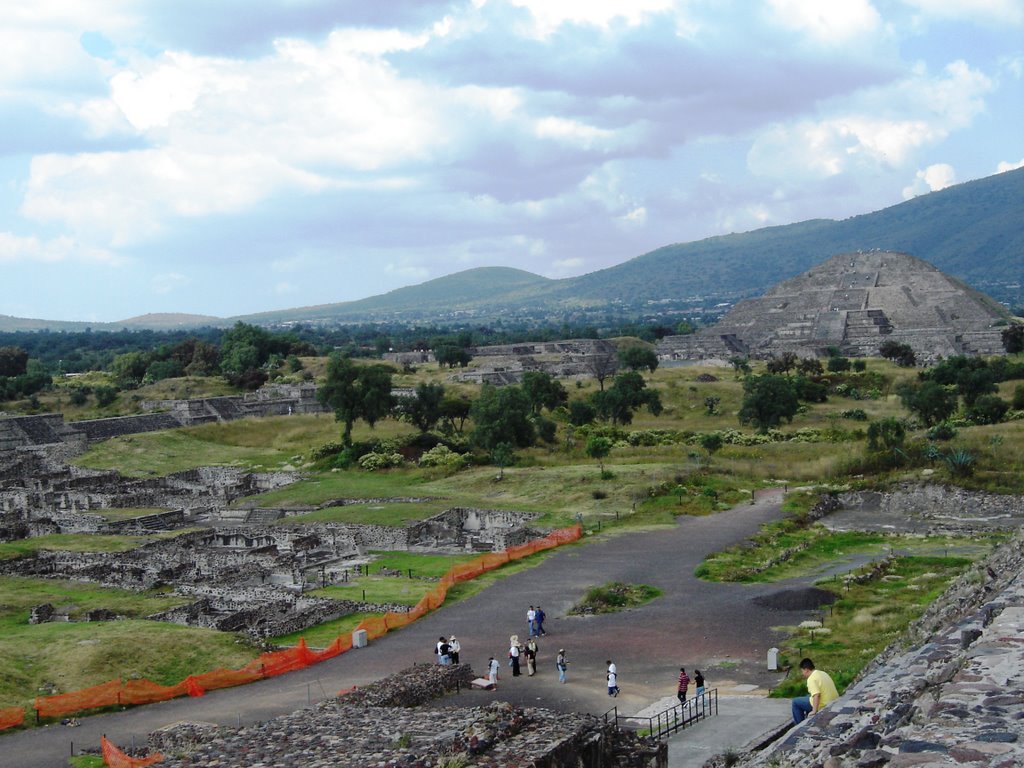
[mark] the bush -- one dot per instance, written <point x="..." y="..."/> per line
<point x="371" y="462"/>
<point x="960" y="462"/>
<point x="854" y="414"/>
<point x="444" y="457"/>
<point x="599" y="494"/>
<point x="78" y="396"/>
<point x="105" y="396"/>
<point x="988" y="409"/>
<point x="943" y="431"/>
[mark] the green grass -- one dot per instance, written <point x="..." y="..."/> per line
<point x="86" y="761"/>
<point x="866" y="618"/>
<point x="113" y="515"/>
<point x="324" y="634"/>
<point x="379" y="589"/>
<point x="77" y="542"/>
<point x="77" y="655"/>
<point x="613" y="597"/>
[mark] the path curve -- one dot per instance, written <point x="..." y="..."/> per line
<point x="695" y="623"/>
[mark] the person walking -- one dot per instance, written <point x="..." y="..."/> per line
<point x="539" y="618"/>
<point x="454" y="646"/>
<point x="531" y="622"/>
<point x="492" y="672"/>
<point x="698" y="681"/>
<point x="821" y="692"/>
<point x="561" y="664"/>
<point x="531" y="657"/>
<point x="684" y="683"/>
<point x="513" y="654"/>
<point x="613" y="683"/>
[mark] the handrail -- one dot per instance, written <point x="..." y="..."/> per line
<point x="673" y="719"/>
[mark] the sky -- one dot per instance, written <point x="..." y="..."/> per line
<point x="231" y="157"/>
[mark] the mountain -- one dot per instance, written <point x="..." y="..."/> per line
<point x="448" y="296"/>
<point x="970" y="231"/>
<point x="154" y="321"/>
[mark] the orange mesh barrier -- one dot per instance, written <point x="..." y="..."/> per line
<point x="279" y="662"/>
<point x="103" y="695"/>
<point x="11" y="717"/>
<point x="115" y="758"/>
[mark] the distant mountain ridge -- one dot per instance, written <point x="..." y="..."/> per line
<point x="971" y="231"/>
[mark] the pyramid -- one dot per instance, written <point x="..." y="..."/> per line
<point x="854" y="302"/>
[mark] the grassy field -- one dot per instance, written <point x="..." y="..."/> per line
<point x="866" y="618"/>
<point x="77" y="542"/>
<point x="70" y="655"/>
<point x="643" y="486"/>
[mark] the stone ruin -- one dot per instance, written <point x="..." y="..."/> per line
<point x="571" y="358"/>
<point x="51" y="429"/>
<point x="853" y="302"/>
<point x="246" y="569"/>
<point x="385" y="724"/>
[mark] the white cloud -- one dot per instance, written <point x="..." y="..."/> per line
<point x="999" y="11"/>
<point x="884" y="126"/>
<point x="126" y="197"/>
<point x="566" y="267"/>
<point x="636" y="217"/>
<point x="169" y="282"/>
<point x="15" y="248"/>
<point x="834" y="21"/>
<point x="1005" y="166"/>
<point x="549" y="15"/>
<point x="931" y="179"/>
<point x="284" y="288"/>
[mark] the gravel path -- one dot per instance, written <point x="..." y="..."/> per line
<point x="713" y="627"/>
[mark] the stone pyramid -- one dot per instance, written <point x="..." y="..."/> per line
<point x="855" y="302"/>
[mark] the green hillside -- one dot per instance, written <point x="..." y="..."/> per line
<point x="970" y="231"/>
<point x="442" y="296"/>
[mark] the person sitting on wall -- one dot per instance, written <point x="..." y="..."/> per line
<point x="821" y="692"/>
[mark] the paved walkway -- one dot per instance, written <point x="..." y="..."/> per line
<point x="713" y="627"/>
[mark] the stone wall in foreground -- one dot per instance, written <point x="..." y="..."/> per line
<point x="955" y="697"/>
<point x="382" y="725"/>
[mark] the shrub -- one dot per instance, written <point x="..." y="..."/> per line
<point x="943" y="431"/>
<point x="371" y="462"/>
<point x="444" y="457"/>
<point x="854" y="414"/>
<point x="599" y="494"/>
<point x="960" y="462"/>
<point x="78" y="396"/>
<point x="988" y="409"/>
<point x="105" y="396"/>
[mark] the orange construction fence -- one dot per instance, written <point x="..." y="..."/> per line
<point x="11" y="717"/>
<point x="115" y="758"/>
<point x="141" y="691"/>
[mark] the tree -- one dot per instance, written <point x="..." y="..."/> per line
<point x="627" y="393"/>
<point x="454" y="412"/>
<point x="424" y="408"/>
<point x="502" y="454"/>
<point x="598" y="448"/>
<point x="1013" y="338"/>
<point x="13" y="361"/>
<point x="784" y="363"/>
<point x="767" y="400"/>
<point x="838" y="364"/>
<point x="929" y="401"/>
<point x="811" y="366"/>
<point x="637" y="358"/>
<point x="130" y="368"/>
<point x="242" y="348"/>
<point x="356" y="392"/>
<point x="581" y="412"/>
<point x="543" y="391"/>
<point x="711" y="404"/>
<point x="740" y="366"/>
<point x="502" y="415"/>
<point x="451" y="355"/>
<point x="987" y="409"/>
<point x="601" y="362"/>
<point x="973" y="382"/>
<point x="886" y="435"/>
<point x="901" y="354"/>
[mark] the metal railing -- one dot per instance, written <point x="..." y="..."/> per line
<point x="669" y="721"/>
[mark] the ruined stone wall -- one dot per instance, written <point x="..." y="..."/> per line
<point x="383" y="724"/>
<point x="950" y="692"/>
<point x="943" y="509"/>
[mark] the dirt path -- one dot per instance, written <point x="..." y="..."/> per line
<point x="714" y="627"/>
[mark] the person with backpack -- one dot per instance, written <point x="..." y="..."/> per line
<point x="561" y="664"/>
